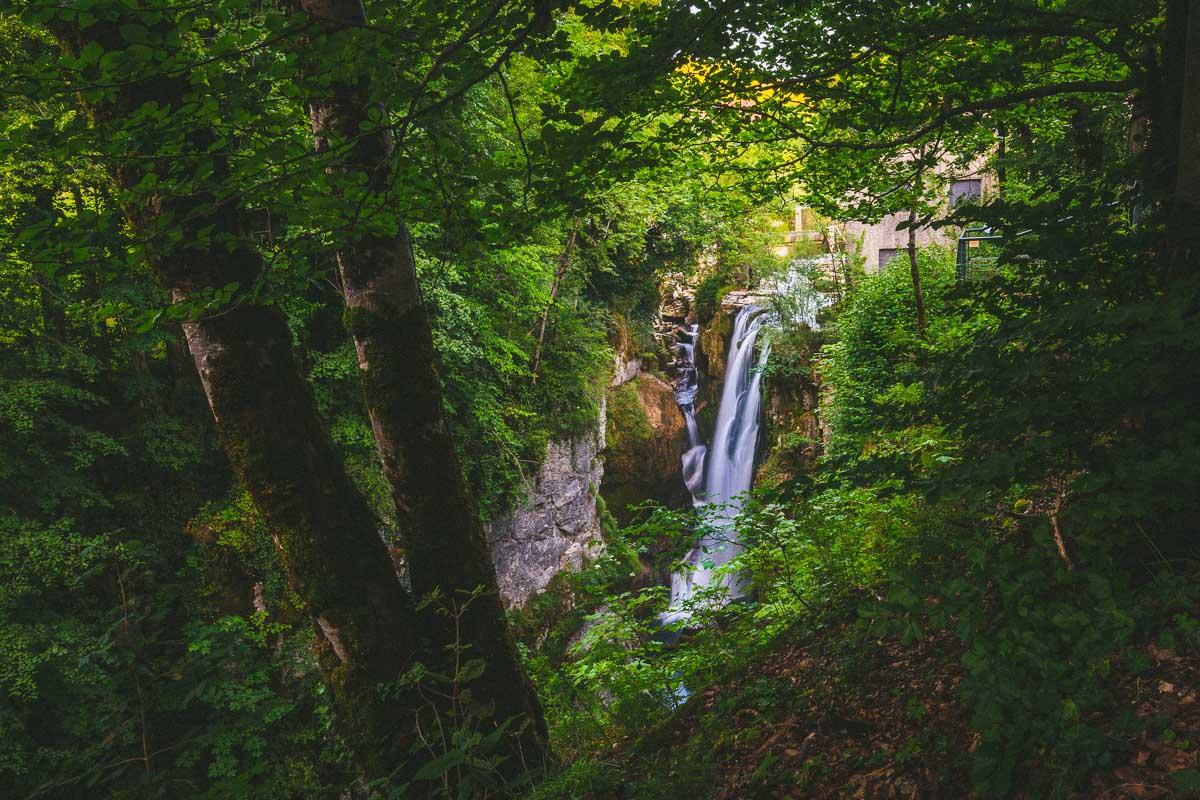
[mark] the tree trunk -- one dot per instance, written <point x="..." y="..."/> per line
<point x="54" y="315"/>
<point x="563" y="265"/>
<point x="1001" y="158"/>
<point x="323" y="530"/>
<point x="1188" y="176"/>
<point x="1186" y="204"/>
<point x="1165" y="133"/>
<point x="443" y="537"/>
<point x="918" y="297"/>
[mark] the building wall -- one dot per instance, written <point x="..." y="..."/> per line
<point x="867" y="239"/>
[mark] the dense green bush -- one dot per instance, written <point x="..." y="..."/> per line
<point x="709" y="292"/>
<point x="1049" y="574"/>
<point x="878" y="366"/>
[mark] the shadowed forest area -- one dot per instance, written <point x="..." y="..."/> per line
<point x="613" y="400"/>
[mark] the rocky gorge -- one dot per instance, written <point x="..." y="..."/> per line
<point x="634" y="452"/>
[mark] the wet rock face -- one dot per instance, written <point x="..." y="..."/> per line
<point x="558" y="527"/>
<point x="646" y="438"/>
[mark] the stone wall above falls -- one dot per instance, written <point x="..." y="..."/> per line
<point x="558" y="527"/>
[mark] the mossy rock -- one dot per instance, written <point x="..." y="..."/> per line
<point x="646" y="435"/>
<point x="713" y="349"/>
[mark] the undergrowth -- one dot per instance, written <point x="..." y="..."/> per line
<point x="976" y="536"/>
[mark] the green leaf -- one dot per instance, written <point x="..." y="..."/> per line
<point x="1186" y="780"/>
<point x="134" y="33"/>
<point x="90" y="54"/>
<point x="441" y="765"/>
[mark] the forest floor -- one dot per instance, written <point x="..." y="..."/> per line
<point x="846" y="715"/>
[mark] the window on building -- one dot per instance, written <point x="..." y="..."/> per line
<point x="886" y="254"/>
<point x="968" y="190"/>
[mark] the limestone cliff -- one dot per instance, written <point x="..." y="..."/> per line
<point x="558" y="527"/>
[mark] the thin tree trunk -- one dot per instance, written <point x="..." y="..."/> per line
<point x="844" y="256"/>
<point x="1001" y="158"/>
<point x="54" y="316"/>
<point x="563" y="265"/>
<point x="322" y="528"/>
<point x="443" y="537"/>
<point x="914" y="270"/>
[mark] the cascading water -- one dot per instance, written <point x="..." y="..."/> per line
<point x="728" y="470"/>
<point x="686" y="386"/>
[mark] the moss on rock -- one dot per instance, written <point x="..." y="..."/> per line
<point x="646" y="433"/>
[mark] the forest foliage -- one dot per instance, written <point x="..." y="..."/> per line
<point x="1020" y="471"/>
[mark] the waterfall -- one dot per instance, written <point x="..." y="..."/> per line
<point x="725" y="470"/>
<point x="686" y="387"/>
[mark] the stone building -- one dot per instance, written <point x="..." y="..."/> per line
<point x="882" y="241"/>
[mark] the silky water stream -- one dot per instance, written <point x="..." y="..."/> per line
<point x="719" y="474"/>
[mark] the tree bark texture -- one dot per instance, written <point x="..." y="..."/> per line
<point x="1186" y="205"/>
<point x="442" y="535"/>
<point x="915" y="272"/>
<point x="564" y="264"/>
<point x="322" y="527"/>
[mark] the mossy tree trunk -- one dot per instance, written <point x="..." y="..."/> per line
<point x="1166" y="133"/>
<point x="54" y="314"/>
<point x="322" y="527"/>
<point x="1186" y="203"/>
<point x="443" y="538"/>
<point x="914" y="270"/>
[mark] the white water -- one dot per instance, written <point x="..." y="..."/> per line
<point x="724" y="471"/>
<point x="686" y="387"/>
